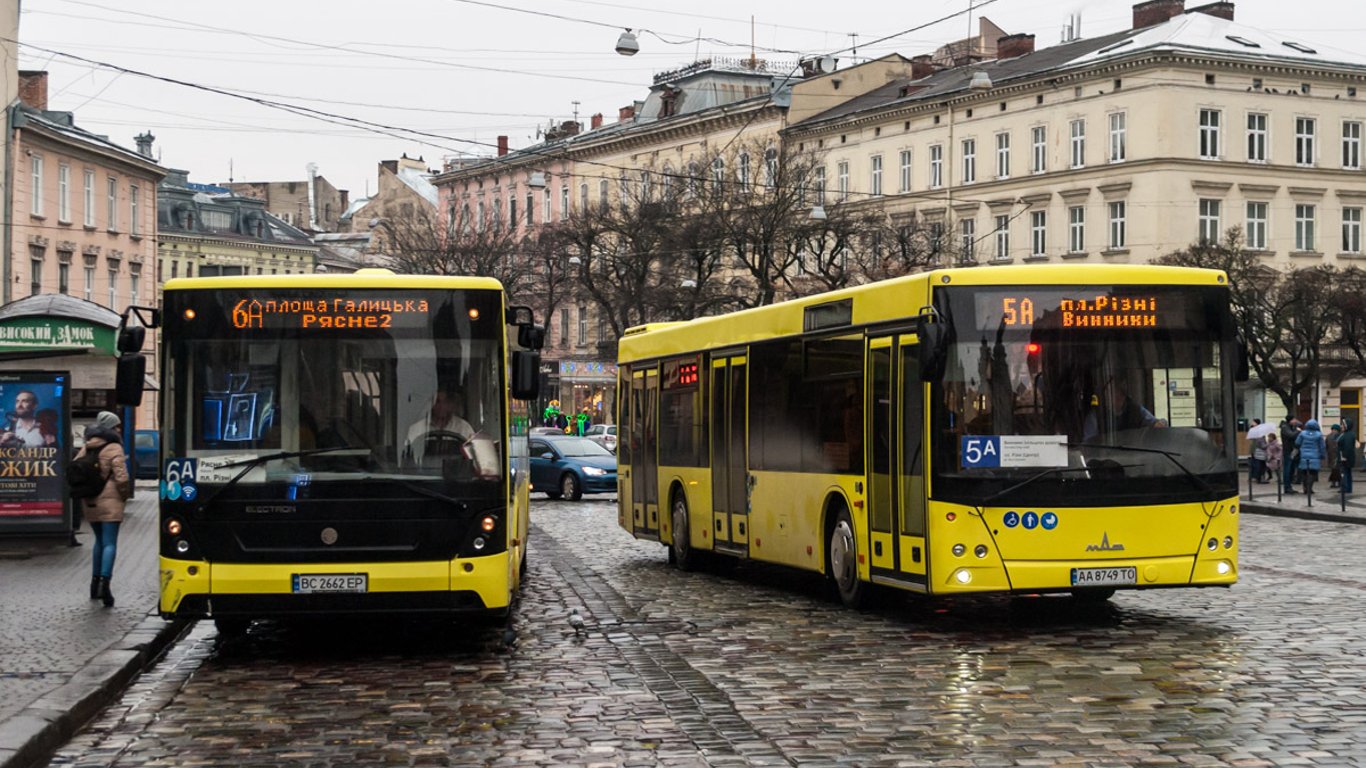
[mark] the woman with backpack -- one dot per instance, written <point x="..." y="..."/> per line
<point x="104" y="511"/>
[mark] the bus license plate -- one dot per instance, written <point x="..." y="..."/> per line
<point x="310" y="583"/>
<point x="1104" y="577"/>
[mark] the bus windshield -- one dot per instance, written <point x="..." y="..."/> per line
<point x="1084" y="394"/>
<point x="374" y="385"/>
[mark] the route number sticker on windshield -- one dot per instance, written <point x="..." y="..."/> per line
<point x="179" y="480"/>
<point x="993" y="451"/>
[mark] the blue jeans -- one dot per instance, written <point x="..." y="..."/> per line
<point x="106" y="547"/>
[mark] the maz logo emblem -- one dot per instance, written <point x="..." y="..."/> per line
<point x="1105" y="545"/>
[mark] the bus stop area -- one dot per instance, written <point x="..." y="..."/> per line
<point x="64" y="657"/>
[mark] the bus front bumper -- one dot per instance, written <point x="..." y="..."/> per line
<point x="196" y="589"/>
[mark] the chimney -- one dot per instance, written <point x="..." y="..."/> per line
<point x="345" y="195"/>
<point x="595" y="122"/>
<point x="922" y="66"/>
<point x="144" y="142"/>
<point x="1155" y="12"/>
<point x="502" y="145"/>
<point x="33" y="89"/>
<point x="1221" y="10"/>
<point x="626" y="114"/>
<point x="1010" y="46"/>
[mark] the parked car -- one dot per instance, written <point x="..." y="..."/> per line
<point x="568" y="467"/>
<point x="147" y="453"/>
<point x="604" y="435"/>
<point x="546" y="431"/>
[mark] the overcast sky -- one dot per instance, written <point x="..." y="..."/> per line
<point x="462" y="71"/>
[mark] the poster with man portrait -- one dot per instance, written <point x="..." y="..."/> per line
<point x="35" y="445"/>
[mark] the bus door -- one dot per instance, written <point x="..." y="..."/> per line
<point x="645" y="479"/>
<point x="729" y="470"/>
<point x="896" y="498"/>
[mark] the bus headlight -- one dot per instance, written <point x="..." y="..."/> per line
<point x="962" y="576"/>
<point x="488" y="524"/>
<point x="1223" y="567"/>
<point x="980" y="550"/>
<point x="1213" y="544"/>
<point x="958" y="550"/>
<point x="1228" y="542"/>
<point x="174" y="527"/>
<point x="182" y="546"/>
<point x="478" y="542"/>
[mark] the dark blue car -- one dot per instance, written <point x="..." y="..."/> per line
<point x="146" y="453"/>
<point x="569" y="467"/>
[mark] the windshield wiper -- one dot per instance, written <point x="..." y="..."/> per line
<point x="255" y="461"/>
<point x="1170" y="456"/>
<point x="1028" y="481"/>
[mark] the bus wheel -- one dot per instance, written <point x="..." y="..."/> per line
<point x="681" y="555"/>
<point x="842" y="555"/>
<point x="231" y="627"/>
<point x="569" y="487"/>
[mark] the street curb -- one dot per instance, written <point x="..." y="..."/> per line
<point x="31" y="737"/>
<point x="1253" y="508"/>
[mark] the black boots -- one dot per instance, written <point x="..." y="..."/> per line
<point x="94" y="587"/>
<point x="106" y="596"/>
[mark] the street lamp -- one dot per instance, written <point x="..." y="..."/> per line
<point x="627" y="45"/>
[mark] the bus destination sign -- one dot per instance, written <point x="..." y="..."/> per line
<point x="1058" y="311"/>
<point x="324" y="313"/>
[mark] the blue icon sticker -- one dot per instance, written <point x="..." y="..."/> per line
<point x="1011" y="519"/>
<point x="1049" y="521"/>
<point x="1030" y="520"/>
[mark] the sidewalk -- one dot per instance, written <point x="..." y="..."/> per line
<point x="64" y="657"/>
<point x="1326" y="505"/>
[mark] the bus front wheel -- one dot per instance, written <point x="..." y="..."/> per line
<point x="681" y="553"/>
<point x="842" y="557"/>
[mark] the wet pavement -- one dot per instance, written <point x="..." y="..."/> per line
<point x="755" y="666"/>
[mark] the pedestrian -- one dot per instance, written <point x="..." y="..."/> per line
<point x="1274" y="454"/>
<point x="1256" y="460"/>
<point x="1289" y="431"/>
<point x="1331" y="457"/>
<point x="105" y="511"/>
<point x="1347" y="453"/>
<point x="1312" y="451"/>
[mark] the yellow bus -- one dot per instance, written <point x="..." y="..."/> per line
<point x="343" y="443"/>
<point x="1012" y="429"/>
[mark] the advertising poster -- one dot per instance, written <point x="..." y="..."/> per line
<point x="35" y="444"/>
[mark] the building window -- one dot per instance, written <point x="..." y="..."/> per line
<point x="564" y="327"/>
<point x="133" y="212"/>
<point x="936" y="166"/>
<point x="1078" y="143"/>
<point x="1304" y="140"/>
<point x="90" y="278"/>
<point x="1209" y="221"/>
<point x="1002" y="155"/>
<point x="564" y="202"/>
<point x="1038" y="233"/>
<point x="497" y="215"/>
<point x="113" y="193"/>
<point x="583" y="325"/>
<point x="1119" y="150"/>
<point x="530" y="209"/>
<point x="545" y="205"/>
<point x="1118" y="225"/>
<point x="1351" y="230"/>
<point x="583" y="196"/>
<point x="1304" y="227"/>
<point x="967" y="231"/>
<point x="742" y="173"/>
<point x="1256" y="226"/>
<point x="969" y="161"/>
<point x="36" y="192"/>
<point x="175" y="269"/>
<point x="1209" y="133"/>
<point x="1076" y="229"/>
<point x="512" y="212"/>
<point x="770" y="171"/>
<point x="718" y="173"/>
<point x="905" y="170"/>
<point x="1256" y="137"/>
<point x="90" y="198"/>
<point x="113" y="287"/>
<point x="1002" y="238"/>
<point x="64" y="276"/>
<point x="135" y="280"/>
<point x="842" y="179"/>
<point x="1351" y="145"/>
<point x="479" y="217"/>
<point x="1038" y="137"/>
<point x="63" y="192"/>
<point x="35" y="283"/>
<point x="876" y="171"/>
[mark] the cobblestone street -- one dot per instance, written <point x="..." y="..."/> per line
<point x="754" y="666"/>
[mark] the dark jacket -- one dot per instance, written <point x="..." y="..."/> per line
<point x="1347" y="444"/>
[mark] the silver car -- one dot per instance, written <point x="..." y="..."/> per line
<point x="604" y="435"/>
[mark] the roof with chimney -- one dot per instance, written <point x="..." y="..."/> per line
<point x="63" y="126"/>
<point x="182" y="209"/>
<point x="1194" y="32"/>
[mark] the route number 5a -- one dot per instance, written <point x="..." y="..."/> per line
<point x="981" y="451"/>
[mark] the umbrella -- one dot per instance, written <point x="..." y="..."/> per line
<point x="1261" y="430"/>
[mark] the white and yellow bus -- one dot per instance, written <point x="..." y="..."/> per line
<point x="341" y="444"/>
<point x="1016" y="429"/>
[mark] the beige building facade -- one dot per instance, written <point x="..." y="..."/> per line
<point x="311" y="204"/>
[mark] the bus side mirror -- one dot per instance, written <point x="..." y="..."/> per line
<point x="129" y="378"/>
<point x="131" y="338"/>
<point x="530" y="336"/>
<point x="1242" y="369"/>
<point x="526" y="374"/>
<point x="934" y="350"/>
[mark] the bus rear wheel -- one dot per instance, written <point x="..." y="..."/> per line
<point x="842" y="562"/>
<point x="681" y="553"/>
